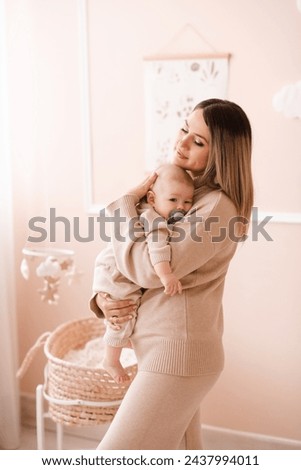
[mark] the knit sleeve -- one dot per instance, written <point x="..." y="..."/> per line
<point x="156" y="233"/>
<point x="195" y="239"/>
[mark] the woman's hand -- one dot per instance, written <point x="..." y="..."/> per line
<point x="116" y="311"/>
<point x="142" y="188"/>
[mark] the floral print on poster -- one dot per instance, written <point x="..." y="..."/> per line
<point x="172" y="88"/>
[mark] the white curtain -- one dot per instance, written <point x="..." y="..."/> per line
<point x="9" y="395"/>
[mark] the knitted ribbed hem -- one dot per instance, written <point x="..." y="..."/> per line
<point x="117" y="343"/>
<point x="119" y="338"/>
<point x="180" y="357"/>
<point x="160" y="257"/>
<point x="128" y="204"/>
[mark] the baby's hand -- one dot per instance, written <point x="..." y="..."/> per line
<point x="172" y="284"/>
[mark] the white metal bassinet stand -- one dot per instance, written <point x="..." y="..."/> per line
<point x="77" y="395"/>
<point x="40" y="417"/>
<point x="42" y="414"/>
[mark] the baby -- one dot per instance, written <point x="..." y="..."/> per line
<point x="168" y="201"/>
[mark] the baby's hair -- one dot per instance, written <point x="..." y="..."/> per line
<point x="175" y="173"/>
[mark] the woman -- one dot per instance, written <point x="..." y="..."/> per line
<point x="178" y="340"/>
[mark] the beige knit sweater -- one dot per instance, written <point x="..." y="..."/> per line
<point x="181" y="335"/>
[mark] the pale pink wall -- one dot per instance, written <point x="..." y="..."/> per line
<point x="260" y="388"/>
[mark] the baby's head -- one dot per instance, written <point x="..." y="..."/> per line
<point x="172" y="191"/>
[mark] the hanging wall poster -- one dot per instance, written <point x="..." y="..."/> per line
<point x="172" y="88"/>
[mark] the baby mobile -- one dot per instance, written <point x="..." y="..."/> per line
<point x="54" y="265"/>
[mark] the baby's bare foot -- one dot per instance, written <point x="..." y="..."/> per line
<point x="116" y="371"/>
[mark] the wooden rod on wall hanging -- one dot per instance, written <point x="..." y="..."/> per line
<point x="162" y="54"/>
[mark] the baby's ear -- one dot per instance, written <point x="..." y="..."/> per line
<point x="150" y="197"/>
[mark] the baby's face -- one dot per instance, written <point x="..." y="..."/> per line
<point x="170" y="197"/>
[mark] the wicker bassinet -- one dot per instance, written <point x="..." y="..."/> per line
<point x="77" y="395"/>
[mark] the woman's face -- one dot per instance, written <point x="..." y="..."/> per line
<point x="192" y="144"/>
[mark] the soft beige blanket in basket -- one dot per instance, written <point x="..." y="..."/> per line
<point x="92" y="355"/>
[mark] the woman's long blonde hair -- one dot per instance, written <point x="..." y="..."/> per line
<point x="229" y="162"/>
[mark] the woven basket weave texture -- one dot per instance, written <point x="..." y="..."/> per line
<point x="71" y="381"/>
